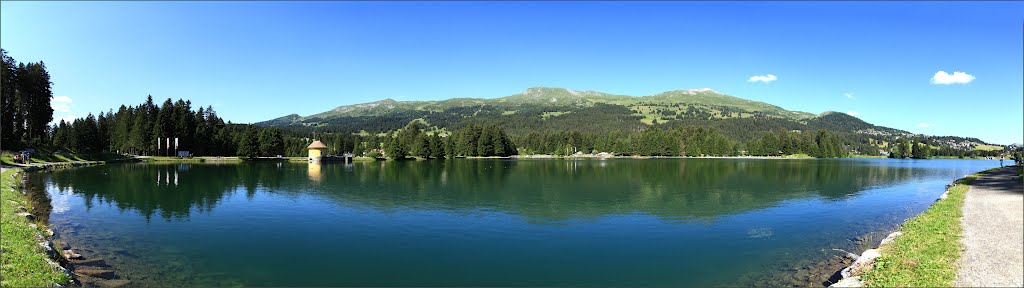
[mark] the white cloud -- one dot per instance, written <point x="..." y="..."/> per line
<point x="852" y="113"/>
<point x="924" y="125"/>
<point x="62" y="99"/>
<point x="957" y="77"/>
<point x="763" y="78"/>
<point x="848" y="95"/>
<point x="60" y="107"/>
<point x="61" y="104"/>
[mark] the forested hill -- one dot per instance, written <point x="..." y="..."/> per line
<point x="582" y="113"/>
<point x="559" y="109"/>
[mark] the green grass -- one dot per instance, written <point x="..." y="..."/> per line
<point x="924" y="255"/>
<point x="547" y="115"/>
<point x="23" y="262"/>
<point x="44" y="155"/>
<point x="7" y="158"/>
<point x="984" y="147"/>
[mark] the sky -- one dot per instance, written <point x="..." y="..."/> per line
<point x="938" y="68"/>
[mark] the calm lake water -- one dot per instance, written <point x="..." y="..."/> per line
<point x="664" y="222"/>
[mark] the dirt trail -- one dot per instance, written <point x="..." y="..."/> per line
<point x="993" y="232"/>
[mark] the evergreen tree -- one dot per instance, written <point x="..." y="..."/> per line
<point x="35" y="95"/>
<point x="394" y="149"/>
<point x="437" y="149"/>
<point x="485" y="144"/>
<point x="421" y="146"/>
<point x="103" y="131"/>
<point x="248" y="145"/>
<point x="270" y="142"/>
<point x="9" y="103"/>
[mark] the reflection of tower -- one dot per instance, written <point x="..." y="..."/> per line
<point x="314" y="171"/>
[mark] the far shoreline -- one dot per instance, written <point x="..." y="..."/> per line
<point x="236" y="159"/>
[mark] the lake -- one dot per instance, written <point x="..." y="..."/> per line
<point x="485" y="222"/>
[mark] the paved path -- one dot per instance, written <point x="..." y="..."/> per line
<point x="993" y="232"/>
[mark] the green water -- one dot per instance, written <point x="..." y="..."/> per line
<point x="661" y="222"/>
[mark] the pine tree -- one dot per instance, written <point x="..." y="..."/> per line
<point x="437" y="149"/>
<point x="248" y="145"/>
<point x="484" y="144"/>
<point x="270" y="142"/>
<point x="394" y="149"/>
<point x="9" y="101"/>
<point x="421" y="146"/>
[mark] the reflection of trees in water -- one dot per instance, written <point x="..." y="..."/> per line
<point x="544" y="190"/>
<point x="171" y="190"/>
<point x="558" y="190"/>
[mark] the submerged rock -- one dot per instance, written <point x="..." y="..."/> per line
<point x="70" y="254"/>
<point x="117" y="283"/>
<point x="88" y="262"/>
<point x="98" y="273"/>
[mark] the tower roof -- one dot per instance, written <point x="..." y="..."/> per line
<point x="316" y="145"/>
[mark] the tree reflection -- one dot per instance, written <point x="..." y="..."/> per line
<point x="540" y="190"/>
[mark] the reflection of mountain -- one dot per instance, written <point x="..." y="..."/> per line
<point x="558" y="190"/>
<point x="541" y="190"/>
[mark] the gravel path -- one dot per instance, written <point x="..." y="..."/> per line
<point x="993" y="232"/>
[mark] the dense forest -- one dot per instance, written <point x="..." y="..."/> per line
<point x="151" y="129"/>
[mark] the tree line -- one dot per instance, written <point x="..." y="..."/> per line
<point x="472" y="141"/>
<point x="162" y="130"/>
<point x="25" y="111"/>
<point x="911" y="148"/>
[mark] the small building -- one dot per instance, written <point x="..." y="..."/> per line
<point x="316" y="151"/>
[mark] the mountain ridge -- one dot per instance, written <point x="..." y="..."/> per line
<point x="554" y="110"/>
<point x="553" y="96"/>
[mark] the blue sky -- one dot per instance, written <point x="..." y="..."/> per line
<point x="255" y="61"/>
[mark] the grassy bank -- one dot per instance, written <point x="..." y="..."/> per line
<point x="46" y="156"/>
<point x="924" y="255"/>
<point x="189" y="160"/>
<point x="24" y="263"/>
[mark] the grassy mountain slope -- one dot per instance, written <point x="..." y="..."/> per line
<point x="543" y="109"/>
<point x="555" y="100"/>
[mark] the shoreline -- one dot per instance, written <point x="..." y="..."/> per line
<point x="863" y="269"/>
<point x="74" y="268"/>
<point x="27" y="249"/>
